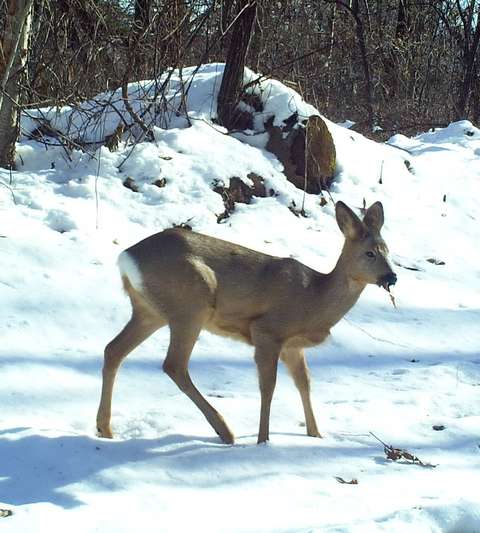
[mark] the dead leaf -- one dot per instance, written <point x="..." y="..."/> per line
<point x="435" y="261"/>
<point x="351" y="482"/>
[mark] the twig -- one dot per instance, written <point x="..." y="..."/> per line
<point x="136" y="118"/>
<point x="11" y="191"/>
<point x="379" y="339"/>
<point x="305" y="181"/>
<point x="67" y="141"/>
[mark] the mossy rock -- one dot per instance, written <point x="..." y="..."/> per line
<point x="318" y="157"/>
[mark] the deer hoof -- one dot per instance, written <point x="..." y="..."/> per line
<point x="227" y="437"/>
<point x="105" y="433"/>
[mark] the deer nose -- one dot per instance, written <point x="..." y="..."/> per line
<point x="389" y="279"/>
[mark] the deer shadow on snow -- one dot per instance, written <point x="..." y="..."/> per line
<point x="38" y="468"/>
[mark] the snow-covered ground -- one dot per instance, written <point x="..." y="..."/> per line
<point x="394" y="372"/>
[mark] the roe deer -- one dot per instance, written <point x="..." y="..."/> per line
<point x="193" y="282"/>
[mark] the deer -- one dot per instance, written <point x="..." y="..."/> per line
<point x="193" y="282"/>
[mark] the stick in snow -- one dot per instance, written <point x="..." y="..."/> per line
<point x="398" y="453"/>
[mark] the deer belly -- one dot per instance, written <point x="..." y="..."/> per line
<point x="307" y="340"/>
<point x="238" y="329"/>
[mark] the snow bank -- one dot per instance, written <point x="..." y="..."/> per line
<point x="64" y="218"/>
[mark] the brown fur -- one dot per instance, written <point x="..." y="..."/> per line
<point x="193" y="282"/>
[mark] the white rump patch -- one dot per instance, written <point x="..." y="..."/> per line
<point x="129" y="268"/>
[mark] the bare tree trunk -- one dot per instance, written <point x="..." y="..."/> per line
<point x="231" y="87"/>
<point x="476" y="100"/>
<point x="402" y="26"/>
<point x="328" y="76"/>
<point x="12" y="61"/>
<point x="353" y="8"/>
<point x="471" y="46"/>
<point x="142" y="13"/>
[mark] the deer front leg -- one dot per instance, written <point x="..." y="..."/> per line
<point x="267" y="351"/>
<point x="294" y="359"/>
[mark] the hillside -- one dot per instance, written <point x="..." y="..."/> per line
<point x="65" y="217"/>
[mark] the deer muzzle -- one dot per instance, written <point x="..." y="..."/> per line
<point x="388" y="280"/>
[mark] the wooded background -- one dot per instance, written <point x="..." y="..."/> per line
<point x="388" y="65"/>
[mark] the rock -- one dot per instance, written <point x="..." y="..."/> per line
<point x="435" y="261"/>
<point x="160" y="182"/>
<point x="239" y="192"/>
<point x="318" y="156"/>
<point x="131" y="184"/>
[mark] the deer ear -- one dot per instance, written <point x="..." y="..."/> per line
<point x="373" y="218"/>
<point x="348" y="221"/>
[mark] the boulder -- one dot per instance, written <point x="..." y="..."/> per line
<point x="304" y="144"/>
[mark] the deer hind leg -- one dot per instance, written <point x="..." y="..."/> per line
<point x="184" y="332"/>
<point x="294" y="359"/>
<point x="139" y="328"/>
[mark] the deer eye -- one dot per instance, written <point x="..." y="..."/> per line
<point x="369" y="254"/>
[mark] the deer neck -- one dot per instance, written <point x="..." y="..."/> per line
<point x="341" y="291"/>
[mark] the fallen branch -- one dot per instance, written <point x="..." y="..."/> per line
<point x="395" y="454"/>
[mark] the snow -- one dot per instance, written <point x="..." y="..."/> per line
<point x="393" y="372"/>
